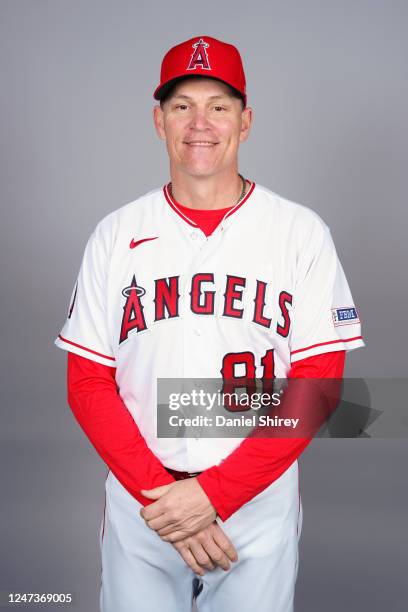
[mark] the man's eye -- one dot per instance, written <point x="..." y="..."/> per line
<point x="219" y="108"/>
<point x="181" y="106"/>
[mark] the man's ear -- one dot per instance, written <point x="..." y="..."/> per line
<point x="247" y="116"/>
<point x="158" y="119"/>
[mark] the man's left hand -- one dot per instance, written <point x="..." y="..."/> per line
<point x="182" y="509"/>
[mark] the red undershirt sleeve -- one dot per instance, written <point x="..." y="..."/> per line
<point x="258" y="462"/>
<point x="94" y="399"/>
<point x="254" y="465"/>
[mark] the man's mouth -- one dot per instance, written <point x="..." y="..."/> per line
<point x="200" y="143"/>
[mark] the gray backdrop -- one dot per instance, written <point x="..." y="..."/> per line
<point x="328" y="84"/>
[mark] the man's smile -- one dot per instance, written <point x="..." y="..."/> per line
<point x="200" y="143"/>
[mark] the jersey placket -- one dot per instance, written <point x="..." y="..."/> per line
<point x="195" y="335"/>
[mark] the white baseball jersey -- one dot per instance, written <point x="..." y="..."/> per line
<point x="156" y="298"/>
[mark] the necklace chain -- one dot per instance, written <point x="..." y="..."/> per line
<point x="170" y="188"/>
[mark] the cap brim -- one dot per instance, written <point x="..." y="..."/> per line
<point x="162" y="91"/>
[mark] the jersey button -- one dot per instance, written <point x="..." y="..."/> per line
<point x="198" y="331"/>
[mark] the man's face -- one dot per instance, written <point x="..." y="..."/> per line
<point x="203" y="126"/>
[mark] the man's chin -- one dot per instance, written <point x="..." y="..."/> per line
<point x="200" y="171"/>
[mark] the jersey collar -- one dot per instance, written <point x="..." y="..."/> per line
<point x="175" y="206"/>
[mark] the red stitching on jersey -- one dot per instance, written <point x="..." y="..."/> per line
<point x="324" y="343"/>
<point x="85" y="349"/>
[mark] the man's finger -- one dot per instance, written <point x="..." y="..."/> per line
<point x="224" y="543"/>
<point x="217" y="555"/>
<point x="155" y="493"/>
<point x="162" y="525"/>
<point x="200" y="554"/>
<point x="152" y="511"/>
<point x="175" y="536"/>
<point x="189" y="559"/>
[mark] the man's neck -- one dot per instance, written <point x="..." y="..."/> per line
<point x="219" y="191"/>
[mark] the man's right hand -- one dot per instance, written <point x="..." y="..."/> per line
<point x="207" y="549"/>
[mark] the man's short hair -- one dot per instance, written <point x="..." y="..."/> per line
<point x="168" y="94"/>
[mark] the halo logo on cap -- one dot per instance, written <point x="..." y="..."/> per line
<point x="199" y="57"/>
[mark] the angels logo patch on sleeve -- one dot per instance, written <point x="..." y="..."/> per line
<point x="345" y="316"/>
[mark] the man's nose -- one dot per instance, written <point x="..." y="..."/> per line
<point x="199" y="119"/>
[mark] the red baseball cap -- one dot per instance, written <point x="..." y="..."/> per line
<point x="202" y="56"/>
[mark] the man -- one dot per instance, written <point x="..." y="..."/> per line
<point x="211" y="276"/>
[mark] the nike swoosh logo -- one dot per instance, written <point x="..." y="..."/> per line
<point x="134" y="243"/>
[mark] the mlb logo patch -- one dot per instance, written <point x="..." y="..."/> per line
<point x="345" y="316"/>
